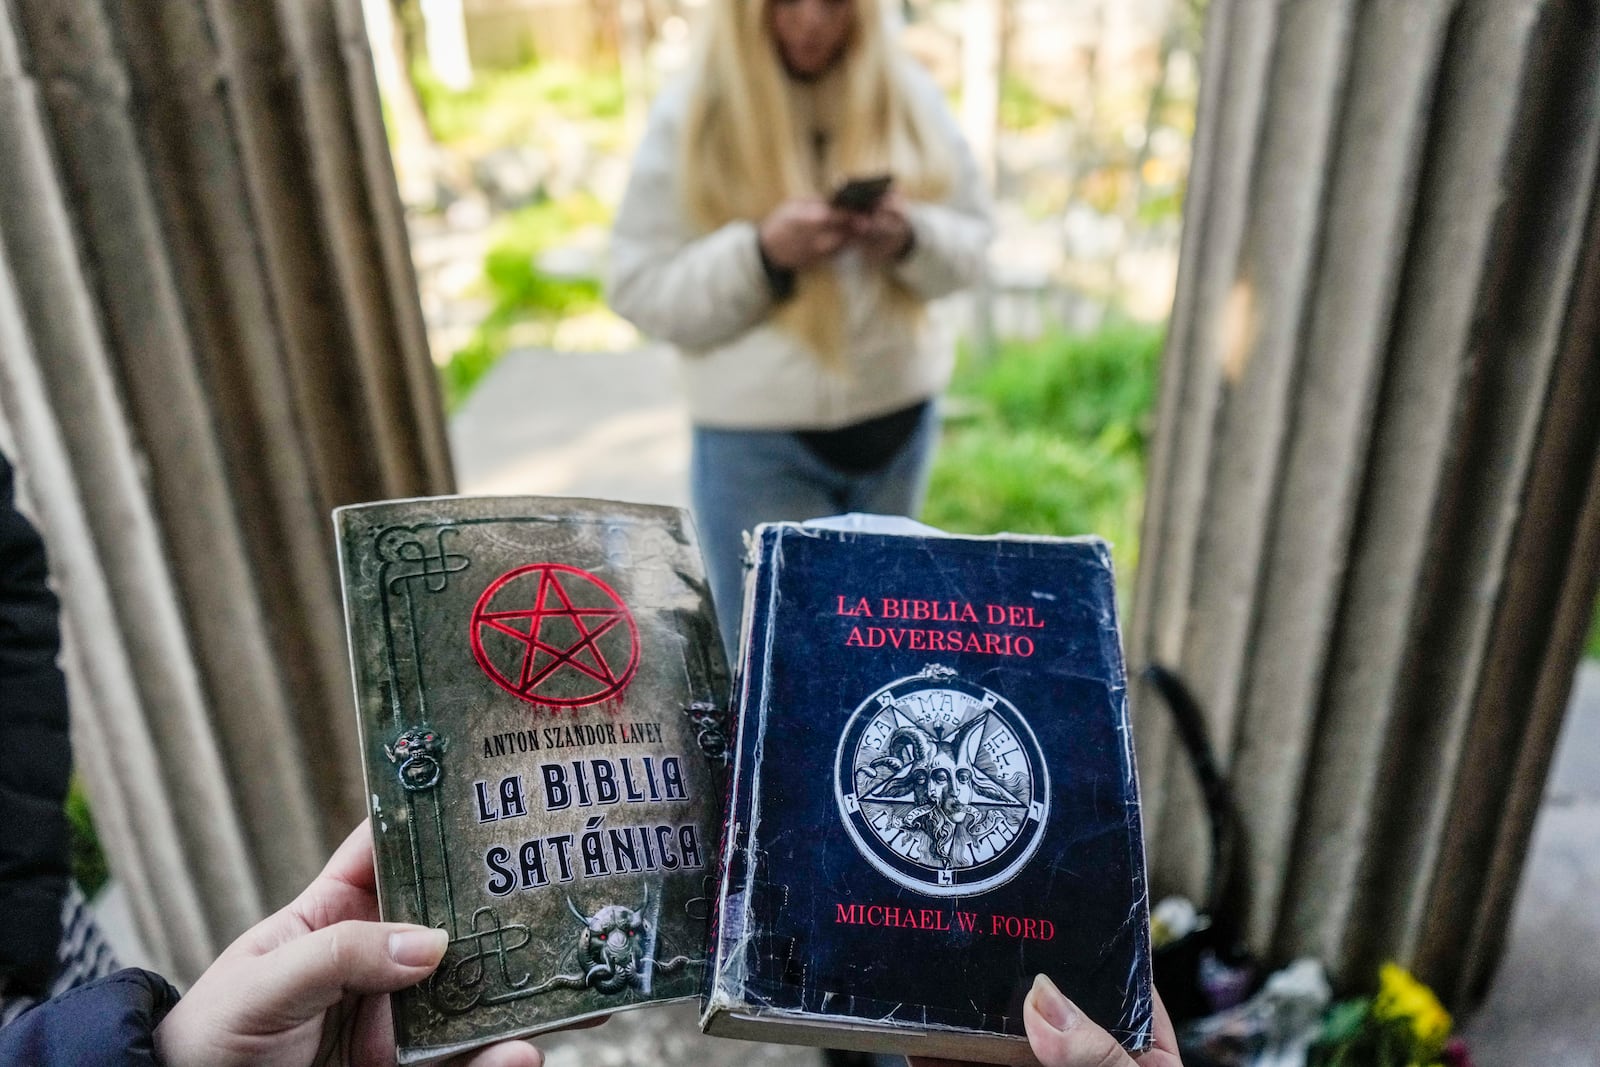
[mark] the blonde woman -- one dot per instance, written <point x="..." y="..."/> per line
<point x="810" y="364"/>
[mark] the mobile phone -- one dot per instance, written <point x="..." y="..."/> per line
<point x="861" y="194"/>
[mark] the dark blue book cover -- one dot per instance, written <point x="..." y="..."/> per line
<point x="933" y="797"/>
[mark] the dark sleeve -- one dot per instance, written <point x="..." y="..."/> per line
<point x="34" y="857"/>
<point x="107" y="1023"/>
<point x="780" y="280"/>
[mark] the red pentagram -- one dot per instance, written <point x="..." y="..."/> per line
<point x="562" y="662"/>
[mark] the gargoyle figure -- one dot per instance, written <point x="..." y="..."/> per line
<point x="417" y="752"/>
<point x="611" y="948"/>
<point x="612" y="943"/>
<point x="938" y="773"/>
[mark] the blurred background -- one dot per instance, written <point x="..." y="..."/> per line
<point x="514" y="124"/>
<point x="1294" y="301"/>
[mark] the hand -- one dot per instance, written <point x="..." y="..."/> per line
<point x="310" y="984"/>
<point x="803" y="232"/>
<point x="1062" y="1036"/>
<point x="884" y="233"/>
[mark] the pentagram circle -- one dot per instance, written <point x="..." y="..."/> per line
<point x="941" y="784"/>
<point x="554" y="636"/>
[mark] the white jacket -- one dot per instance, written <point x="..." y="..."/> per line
<point x="707" y="294"/>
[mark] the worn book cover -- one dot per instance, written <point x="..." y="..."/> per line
<point x="540" y="691"/>
<point x="933" y="797"/>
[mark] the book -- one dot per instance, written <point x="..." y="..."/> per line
<point x="933" y="796"/>
<point x="541" y="693"/>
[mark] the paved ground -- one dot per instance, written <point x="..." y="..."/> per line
<point x="669" y="1037"/>
<point x="610" y="425"/>
<point x="1544" y="1007"/>
<point x="599" y="424"/>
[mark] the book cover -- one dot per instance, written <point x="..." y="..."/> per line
<point x="540" y="690"/>
<point x="933" y="797"/>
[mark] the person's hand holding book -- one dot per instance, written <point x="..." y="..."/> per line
<point x="310" y="983"/>
<point x="1062" y="1036"/>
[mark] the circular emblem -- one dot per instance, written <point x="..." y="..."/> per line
<point x="555" y="635"/>
<point x="942" y="785"/>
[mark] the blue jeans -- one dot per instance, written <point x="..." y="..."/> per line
<point x="739" y="478"/>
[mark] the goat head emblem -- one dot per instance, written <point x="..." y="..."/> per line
<point x="938" y="772"/>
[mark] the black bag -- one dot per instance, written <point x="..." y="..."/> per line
<point x="1180" y="964"/>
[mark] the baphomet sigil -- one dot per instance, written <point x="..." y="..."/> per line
<point x="941" y="784"/>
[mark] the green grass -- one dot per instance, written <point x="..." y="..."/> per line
<point x="526" y="302"/>
<point x="1593" y="648"/>
<point x="520" y="290"/>
<point x="1053" y="439"/>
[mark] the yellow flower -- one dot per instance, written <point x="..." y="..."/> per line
<point x="1402" y="997"/>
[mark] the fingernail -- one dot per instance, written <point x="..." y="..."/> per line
<point x="1051" y="1005"/>
<point x="417" y="946"/>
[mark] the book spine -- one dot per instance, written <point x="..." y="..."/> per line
<point x="729" y="935"/>
<point x="350" y="523"/>
<point x="1139" y="1024"/>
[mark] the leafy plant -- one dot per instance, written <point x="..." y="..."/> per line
<point x="526" y="300"/>
<point x="1052" y="439"/>
<point x="1403" y="1025"/>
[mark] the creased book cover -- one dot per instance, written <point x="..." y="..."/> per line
<point x="933" y="797"/>
<point x="540" y="692"/>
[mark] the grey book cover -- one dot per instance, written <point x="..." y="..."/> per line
<point x="540" y="690"/>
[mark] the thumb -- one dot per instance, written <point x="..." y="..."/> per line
<point x="1062" y="1036"/>
<point x="304" y="977"/>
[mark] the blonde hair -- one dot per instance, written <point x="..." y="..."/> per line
<point x="749" y="142"/>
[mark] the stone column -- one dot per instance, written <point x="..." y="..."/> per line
<point x="211" y="338"/>
<point x="1373" y="522"/>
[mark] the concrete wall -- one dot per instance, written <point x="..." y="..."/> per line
<point x="211" y="337"/>
<point x="1373" y="523"/>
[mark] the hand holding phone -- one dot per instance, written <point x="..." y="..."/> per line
<point x="802" y="232"/>
<point x="861" y="195"/>
<point x="876" y="218"/>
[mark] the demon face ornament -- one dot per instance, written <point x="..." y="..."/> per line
<point x="612" y="944"/>
<point x="416" y="754"/>
<point x="941" y="784"/>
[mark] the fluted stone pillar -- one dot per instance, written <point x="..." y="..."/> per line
<point x="1372" y="534"/>
<point x="209" y="337"/>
